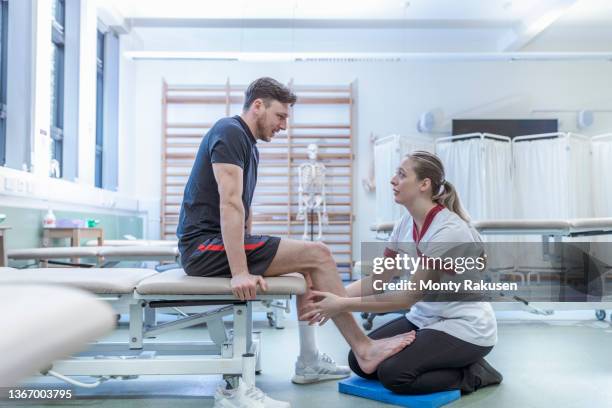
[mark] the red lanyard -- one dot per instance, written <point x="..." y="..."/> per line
<point x="416" y="236"/>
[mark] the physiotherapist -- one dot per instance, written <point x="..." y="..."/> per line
<point x="452" y="338"/>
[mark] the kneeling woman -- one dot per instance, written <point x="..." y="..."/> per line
<point x="451" y="337"/>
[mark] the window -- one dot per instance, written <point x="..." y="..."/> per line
<point x="57" y="83"/>
<point x="100" y="109"/>
<point x="107" y="105"/>
<point x="3" y="82"/>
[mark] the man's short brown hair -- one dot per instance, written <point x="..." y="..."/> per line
<point x="268" y="89"/>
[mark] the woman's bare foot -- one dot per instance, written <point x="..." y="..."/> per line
<point x="370" y="356"/>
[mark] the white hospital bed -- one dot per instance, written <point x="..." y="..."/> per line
<point x="552" y="233"/>
<point x="142" y="292"/>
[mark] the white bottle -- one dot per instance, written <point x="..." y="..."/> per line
<point x="49" y="220"/>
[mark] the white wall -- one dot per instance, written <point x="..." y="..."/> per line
<point x="391" y="97"/>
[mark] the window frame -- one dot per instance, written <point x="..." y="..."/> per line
<point x="99" y="161"/>
<point x="57" y="87"/>
<point x="3" y="77"/>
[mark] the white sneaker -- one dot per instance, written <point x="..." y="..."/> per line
<point x="322" y="369"/>
<point x="246" y="397"/>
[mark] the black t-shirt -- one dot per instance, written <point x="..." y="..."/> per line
<point x="229" y="141"/>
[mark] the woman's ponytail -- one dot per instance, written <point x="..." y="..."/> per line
<point x="449" y="198"/>
<point x="428" y="165"/>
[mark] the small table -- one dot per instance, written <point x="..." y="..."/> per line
<point x="3" y="259"/>
<point x="75" y="235"/>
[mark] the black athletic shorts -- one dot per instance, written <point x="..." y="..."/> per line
<point x="209" y="259"/>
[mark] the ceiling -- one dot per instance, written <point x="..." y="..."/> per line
<point x="493" y="11"/>
<point x="503" y="26"/>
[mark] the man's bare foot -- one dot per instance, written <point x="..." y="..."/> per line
<point x="370" y="356"/>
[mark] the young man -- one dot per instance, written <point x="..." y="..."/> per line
<point x="214" y="229"/>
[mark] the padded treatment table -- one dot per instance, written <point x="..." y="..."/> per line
<point x="43" y="255"/>
<point x="134" y="242"/>
<point x="382" y="229"/>
<point x="590" y="226"/>
<point x="176" y="283"/>
<point x="549" y="230"/>
<point x="522" y="227"/>
<point x="382" y="226"/>
<point x="139" y="253"/>
<point x="275" y="302"/>
<point x="574" y="227"/>
<point x="571" y="227"/>
<point x="46" y="323"/>
<point x="143" y="251"/>
<point x="115" y="281"/>
<point x="102" y="254"/>
<point x="374" y="390"/>
<point x="142" y="292"/>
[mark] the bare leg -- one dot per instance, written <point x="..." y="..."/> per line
<point x="315" y="259"/>
<point x="305" y="235"/>
<point x="320" y="235"/>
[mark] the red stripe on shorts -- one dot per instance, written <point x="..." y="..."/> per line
<point x="220" y="248"/>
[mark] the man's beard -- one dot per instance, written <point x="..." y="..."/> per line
<point x="261" y="130"/>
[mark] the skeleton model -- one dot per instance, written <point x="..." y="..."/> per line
<point x="312" y="191"/>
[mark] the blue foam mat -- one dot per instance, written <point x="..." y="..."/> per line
<point x="374" y="390"/>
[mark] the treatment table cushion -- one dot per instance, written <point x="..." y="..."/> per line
<point x="134" y="242"/>
<point x="44" y="324"/>
<point x="599" y="224"/>
<point x="382" y="227"/>
<point x="125" y="252"/>
<point x="53" y="253"/>
<point x="95" y="280"/>
<point x="176" y="282"/>
<point x="522" y="224"/>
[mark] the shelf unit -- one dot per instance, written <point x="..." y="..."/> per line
<point x="188" y="112"/>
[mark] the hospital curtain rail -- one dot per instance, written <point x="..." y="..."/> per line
<point x="324" y="114"/>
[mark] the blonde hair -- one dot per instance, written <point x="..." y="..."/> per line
<point x="428" y="165"/>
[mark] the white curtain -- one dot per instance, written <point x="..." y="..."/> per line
<point x="541" y="178"/>
<point x="462" y="165"/>
<point x="497" y="165"/>
<point x="480" y="170"/>
<point x="386" y="159"/>
<point x="601" y="191"/>
<point x="580" y="185"/>
<point x="540" y="190"/>
<point x="388" y="154"/>
<point x="552" y="178"/>
<point x="601" y="181"/>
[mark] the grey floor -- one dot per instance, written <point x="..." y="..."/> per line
<point x="564" y="360"/>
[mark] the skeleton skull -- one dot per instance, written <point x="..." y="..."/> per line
<point x="313" y="151"/>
